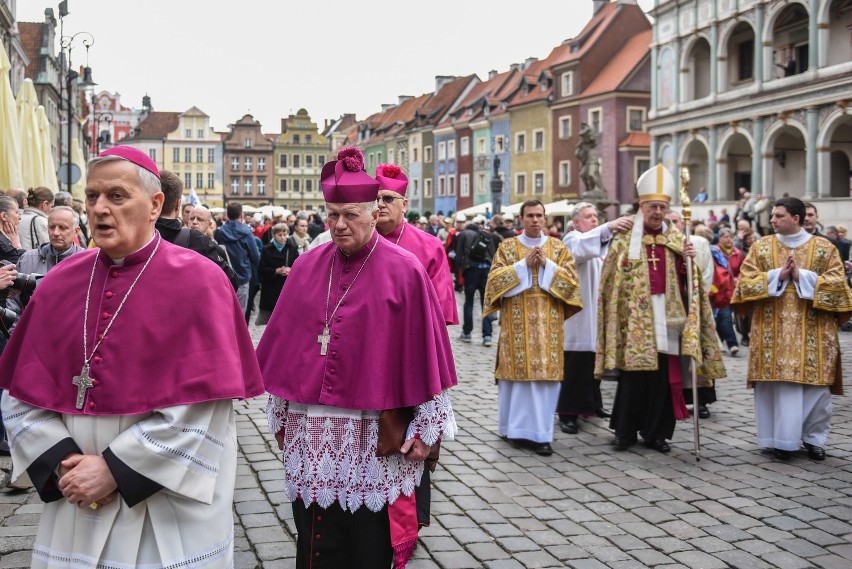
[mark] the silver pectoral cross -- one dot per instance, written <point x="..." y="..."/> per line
<point x="324" y="339"/>
<point x="83" y="383"/>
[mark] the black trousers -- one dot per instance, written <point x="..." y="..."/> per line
<point x="643" y="403"/>
<point x="580" y="393"/>
<point x="330" y="538"/>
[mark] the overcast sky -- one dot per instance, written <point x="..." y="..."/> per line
<point x="270" y="58"/>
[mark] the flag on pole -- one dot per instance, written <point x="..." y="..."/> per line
<point x="193" y="198"/>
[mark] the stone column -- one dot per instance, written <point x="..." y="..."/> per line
<point x="655" y="87"/>
<point x="714" y="63"/>
<point x="713" y="144"/>
<point x="811" y="177"/>
<point x="756" y="158"/>
<point x="813" y="35"/>
<point x="758" y="48"/>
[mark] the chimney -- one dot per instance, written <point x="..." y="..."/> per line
<point x="441" y="80"/>
<point x="492" y="74"/>
<point x="598" y="4"/>
<point x="404" y="98"/>
<point x="387" y="106"/>
<point x="517" y="67"/>
<point x="529" y="61"/>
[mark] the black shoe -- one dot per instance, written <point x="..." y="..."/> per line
<point x="569" y="426"/>
<point x="781" y="454"/>
<point x="744" y="342"/>
<point x="542" y="449"/>
<point x="703" y="412"/>
<point x="622" y="443"/>
<point x="659" y="445"/>
<point x="815" y="452"/>
<point x="4" y="449"/>
<point x="602" y="413"/>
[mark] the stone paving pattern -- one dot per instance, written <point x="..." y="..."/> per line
<point x="586" y="507"/>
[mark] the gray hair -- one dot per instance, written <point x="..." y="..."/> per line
<point x="369" y="207"/>
<point x="62" y="198"/>
<point x="725" y="231"/>
<point x="280" y="228"/>
<point x="149" y="182"/>
<point x="74" y="216"/>
<point x="578" y="208"/>
<point x="7" y="203"/>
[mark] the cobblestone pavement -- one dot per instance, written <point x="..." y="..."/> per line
<point x="587" y="506"/>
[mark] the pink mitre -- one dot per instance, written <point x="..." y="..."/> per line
<point x="390" y="177"/>
<point x="345" y="181"/>
<point x="134" y="155"/>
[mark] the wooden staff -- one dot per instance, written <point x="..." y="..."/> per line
<point x="687" y="218"/>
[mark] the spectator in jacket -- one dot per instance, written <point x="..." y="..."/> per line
<point x="33" y="228"/>
<point x="238" y="241"/>
<point x="474" y="250"/>
<point x="275" y="261"/>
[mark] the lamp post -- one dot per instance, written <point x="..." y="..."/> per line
<point x="72" y="77"/>
<point x="100" y="138"/>
<point x="496" y="188"/>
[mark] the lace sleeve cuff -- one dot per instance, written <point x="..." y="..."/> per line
<point x="433" y="420"/>
<point x="276" y="413"/>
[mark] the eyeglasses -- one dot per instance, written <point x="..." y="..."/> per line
<point x="389" y="199"/>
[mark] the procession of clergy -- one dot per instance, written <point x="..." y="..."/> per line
<point x="126" y="427"/>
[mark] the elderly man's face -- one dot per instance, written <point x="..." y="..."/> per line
<point x="654" y="211"/>
<point x="121" y="213"/>
<point x="673" y="217"/>
<point x="351" y="225"/>
<point x="392" y="208"/>
<point x="61" y="229"/>
<point x="586" y="220"/>
<point x="200" y="219"/>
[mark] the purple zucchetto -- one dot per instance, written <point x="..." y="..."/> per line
<point x="134" y="155"/>
<point x="345" y="181"/>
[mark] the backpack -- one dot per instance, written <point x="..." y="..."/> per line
<point x="722" y="289"/>
<point x="478" y="249"/>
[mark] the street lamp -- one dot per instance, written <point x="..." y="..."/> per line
<point x="100" y="138"/>
<point x="66" y="46"/>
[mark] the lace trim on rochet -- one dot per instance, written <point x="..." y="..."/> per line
<point x="330" y="453"/>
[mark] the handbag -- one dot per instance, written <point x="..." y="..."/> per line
<point x="393" y="424"/>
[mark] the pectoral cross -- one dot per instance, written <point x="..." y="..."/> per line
<point x="83" y="383"/>
<point x="324" y="339"/>
<point x="653" y="258"/>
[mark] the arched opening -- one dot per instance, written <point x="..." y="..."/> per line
<point x="737" y="162"/>
<point x="839" y="23"/>
<point x="788" y="162"/>
<point x="697" y="78"/>
<point x="740" y="47"/>
<point x="840" y="175"/>
<point x="695" y="158"/>
<point x="790" y="41"/>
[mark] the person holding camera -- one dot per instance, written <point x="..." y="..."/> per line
<point x="10" y="251"/>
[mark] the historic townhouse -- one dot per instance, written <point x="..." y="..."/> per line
<point x="755" y="94"/>
<point x="248" y="163"/>
<point x="603" y="82"/>
<point x="300" y="153"/>
<point x="337" y="131"/>
<point x="150" y="134"/>
<point x="193" y="151"/>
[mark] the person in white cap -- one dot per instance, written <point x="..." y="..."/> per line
<point x="643" y="328"/>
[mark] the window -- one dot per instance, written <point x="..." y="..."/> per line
<point x="308" y="139"/>
<point x="200" y="133"/>
<point x="451" y="185"/>
<point x="176" y="154"/>
<point x="297" y="161"/>
<point x="451" y="149"/>
<point x="247" y="186"/>
<point x="642" y="165"/>
<point x="415" y="187"/>
<point x="427" y="154"/>
<point x="379" y="158"/>
<point x="235" y="186"/>
<point x="442" y="186"/>
<point x="567" y="84"/>
<point x="199" y="155"/>
<point x="187" y="154"/>
<point x="187" y="180"/>
<point x="564" y="173"/>
<point x="635" y="119"/>
<point x="595" y="119"/>
<point x="320" y="159"/>
<point x="538" y="139"/>
<point x="520" y="142"/>
<point x="248" y="143"/>
<point x="309" y="160"/>
<point x="499" y="144"/>
<point x="211" y="181"/>
<point x="282" y="185"/>
<point x="189" y="133"/>
<point x="464" y="150"/>
<point x="309" y="186"/>
<point x="261" y="164"/>
<point x="391" y="156"/>
<point x="564" y="128"/>
<point x="520" y="184"/>
<point x="415" y="154"/>
<point x="152" y="152"/>
<point x="282" y="161"/>
<point x="371" y="161"/>
<point x="427" y="188"/>
<point x="745" y="66"/>
<point x="211" y="155"/>
<point x="248" y="162"/>
<point x="295" y="139"/>
<point x="402" y="157"/>
<point x="465" y="185"/>
<point x="261" y="187"/>
<point x="538" y="182"/>
<point x="297" y="186"/>
<point x="442" y="151"/>
<point x="480" y="146"/>
<point x="199" y="181"/>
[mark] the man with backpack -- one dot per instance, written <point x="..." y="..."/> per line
<point x="475" y="248"/>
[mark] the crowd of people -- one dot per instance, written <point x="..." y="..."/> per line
<point x="135" y="447"/>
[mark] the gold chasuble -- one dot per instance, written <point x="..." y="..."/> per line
<point x="794" y="339"/>
<point x="530" y="346"/>
<point x="626" y="333"/>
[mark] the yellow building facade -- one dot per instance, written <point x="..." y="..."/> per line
<point x="531" y="152"/>
<point x="193" y="151"/>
